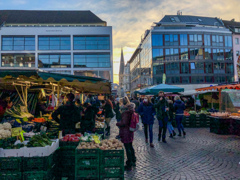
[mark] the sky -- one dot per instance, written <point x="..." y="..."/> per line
<point x="130" y="18"/>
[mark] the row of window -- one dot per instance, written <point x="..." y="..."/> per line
<point x="16" y="43"/>
<point x="194" y="79"/>
<point x="191" y="40"/>
<point x="56" y="60"/>
<point x="193" y="68"/>
<point x="160" y="54"/>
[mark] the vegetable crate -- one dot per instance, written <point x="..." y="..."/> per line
<point x="38" y="175"/>
<point x="38" y="163"/>
<point x="87" y="163"/>
<point x="68" y="144"/>
<point x="10" y="163"/>
<point x="10" y="175"/>
<point x="111" y="158"/>
<point x="112" y="172"/>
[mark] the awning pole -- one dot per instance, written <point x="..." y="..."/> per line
<point x="220" y="100"/>
<point x="212" y="100"/>
<point x="26" y="95"/>
<point x="58" y="93"/>
<point x="195" y="106"/>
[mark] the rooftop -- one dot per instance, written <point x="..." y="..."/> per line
<point x="48" y="17"/>
<point x="231" y="23"/>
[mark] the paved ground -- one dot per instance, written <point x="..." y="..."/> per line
<point x="200" y="155"/>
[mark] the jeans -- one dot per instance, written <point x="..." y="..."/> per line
<point x="179" y="119"/>
<point x="163" y="127"/>
<point x="170" y="127"/>
<point x="150" y="131"/>
<point x="131" y="158"/>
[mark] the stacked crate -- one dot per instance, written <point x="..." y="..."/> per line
<point x="111" y="165"/>
<point x="10" y="168"/>
<point x="87" y="164"/>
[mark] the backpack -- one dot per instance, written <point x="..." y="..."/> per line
<point x="134" y="124"/>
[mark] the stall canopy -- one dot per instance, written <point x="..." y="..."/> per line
<point x="81" y="84"/>
<point x="220" y="87"/>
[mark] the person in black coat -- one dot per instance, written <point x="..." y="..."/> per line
<point x="179" y="107"/>
<point x="88" y="118"/>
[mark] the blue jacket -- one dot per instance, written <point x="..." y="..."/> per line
<point x="179" y="107"/>
<point x="147" y="113"/>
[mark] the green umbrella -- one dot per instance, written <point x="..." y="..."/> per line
<point x="163" y="87"/>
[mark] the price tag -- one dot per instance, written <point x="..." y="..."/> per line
<point x="16" y="131"/>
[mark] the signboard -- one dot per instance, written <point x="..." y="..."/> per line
<point x="164" y="78"/>
<point x="16" y="131"/>
<point x="139" y="85"/>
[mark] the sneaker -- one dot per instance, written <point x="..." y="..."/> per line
<point x="127" y="168"/>
<point x="164" y="141"/>
<point x="146" y="140"/>
<point x="174" y="134"/>
<point x="179" y="135"/>
<point x="184" y="133"/>
<point x="171" y="136"/>
<point x="151" y="145"/>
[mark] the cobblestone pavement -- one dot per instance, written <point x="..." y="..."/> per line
<point x="200" y="155"/>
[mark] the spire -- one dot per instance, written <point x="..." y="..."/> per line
<point x="121" y="68"/>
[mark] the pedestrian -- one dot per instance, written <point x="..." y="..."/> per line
<point x="127" y="136"/>
<point x="170" y="120"/>
<point x="136" y="102"/>
<point x="162" y="116"/>
<point x="147" y="111"/>
<point x="88" y="118"/>
<point x="179" y="107"/>
<point x="108" y="113"/>
<point x="118" y="114"/>
<point x="69" y="115"/>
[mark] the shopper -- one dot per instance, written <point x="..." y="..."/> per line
<point x="147" y="112"/>
<point x="179" y="110"/>
<point x="118" y="114"/>
<point x="69" y="115"/>
<point x="136" y="102"/>
<point x="170" y="120"/>
<point x="162" y="116"/>
<point x="127" y="136"/>
<point x="88" y="118"/>
<point x="108" y="113"/>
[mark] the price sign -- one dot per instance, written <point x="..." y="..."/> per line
<point x="16" y="131"/>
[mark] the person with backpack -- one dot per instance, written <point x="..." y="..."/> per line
<point x="147" y="112"/>
<point x="179" y="107"/>
<point x="127" y="135"/>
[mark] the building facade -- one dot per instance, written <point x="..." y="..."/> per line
<point x="188" y="49"/>
<point x="126" y="79"/>
<point x="235" y="28"/>
<point x="121" y="71"/>
<point x="67" y="42"/>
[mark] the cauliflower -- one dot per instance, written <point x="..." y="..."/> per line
<point x="1" y="126"/>
<point x="7" y="126"/>
<point x="5" y="133"/>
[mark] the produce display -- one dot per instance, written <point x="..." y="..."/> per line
<point x="5" y="130"/>
<point x="106" y="144"/>
<point x="220" y="114"/>
<point x="204" y="112"/>
<point x="99" y="124"/>
<point x="72" y="137"/>
<point x="16" y="112"/>
<point x="90" y="137"/>
<point x="39" y="141"/>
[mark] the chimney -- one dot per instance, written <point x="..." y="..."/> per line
<point x="233" y="20"/>
<point x="179" y="12"/>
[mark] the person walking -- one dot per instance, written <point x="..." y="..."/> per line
<point x="108" y="113"/>
<point x="162" y="116"/>
<point x="179" y="107"/>
<point x="127" y="136"/>
<point x="147" y="112"/>
<point x="69" y="115"/>
<point x="136" y="102"/>
<point x="169" y="123"/>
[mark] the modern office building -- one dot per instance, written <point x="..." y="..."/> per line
<point x="69" y="42"/>
<point x="235" y="28"/>
<point x="191" y="50"/>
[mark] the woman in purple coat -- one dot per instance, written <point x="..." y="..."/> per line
<point x="127" y="136"/>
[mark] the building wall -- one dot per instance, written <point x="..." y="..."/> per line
<point x="236" y="56"/>
<point x="61" y="31"/>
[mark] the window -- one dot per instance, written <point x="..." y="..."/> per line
<point x="185" y="80"/>
<point x="209" y="79"/>
<point x="61" y="72"/>
<point x="237" y="30"/>
<point x="237" y="53"/>
<point x="183" y="40"/>
<point x="196" y="53"/>
<point x="54" y="60"/>
<point x="197" y="79"/>
<point x="217" y="40"/>
<point x="157" y="80"/>
<point x="173" y="80"/>
<point x="207" y="40"/>
<point x="18" y="60"/>
<point x="197" y="68"/>
<point x="185" y="68"/>
<point x="17" y="43"/>
<point x="230" y="79"/>
<point x="172" y="68"/>
<point x="228" y="54"/>
<point x="218" y="54"/>
<point x="208" y="68"/>
<point x="171" y="54"/>
<point x="219" y="68"/>
<point x="157" y="40"/>
<point x="157" y="54"/>
<point x="171" y="40"/>
<point x="228" y="41"/>
<point x="91" y="60"/>
<point x="158" y="69"/>
<point x="195" y="39"/>
<point x="91" y="42"/>
<point x="86" y="73"/>
<point x="54" y="43"/>
<point x="229" y="68"/>
<point x="184" y="53"/>
<point x="220" y="79"/>
<point x="208" y="53"/>
<point x="236" y="41"/>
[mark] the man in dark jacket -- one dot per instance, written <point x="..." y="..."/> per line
<point x="69" y="115"/>
<point x="136" y="102"/>
<point x="162" y="116"/>
<point x="179" y="107"/>
<point x="88" y="118"/>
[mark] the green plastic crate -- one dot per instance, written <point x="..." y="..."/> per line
<point x="38" y="163"/>
<point x="87" y="172"/>
<point x="111" y="172"/>
<point x="112" y="158"/>
<point x="11" y="163"/>
<point x="38" y="175"/>
<point x="10" y="175"/>
<point x="110" y="178"/>
<point x="87" y="152"/>
<point x="86" y="161"/>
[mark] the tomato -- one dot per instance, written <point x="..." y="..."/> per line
<point x="78" y="135"/>
<point x="74" y="139"/>
<point x="65" y="140"/>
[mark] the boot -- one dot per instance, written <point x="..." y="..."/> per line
<point x="160" y="134"/>
<point x="174" y="134"/>
<point x="164" y="140"/>
<point x="171" y="136"/>
<point x="151" y="145"/>
<point x="184" y="133"/>
<point x="179" y="134"/>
